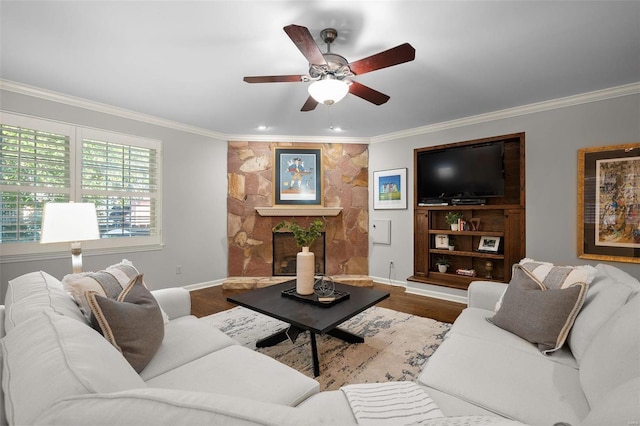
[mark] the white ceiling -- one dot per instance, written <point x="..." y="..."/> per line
<point x="184" y="61"/>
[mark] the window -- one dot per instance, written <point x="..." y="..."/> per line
<point x="42" y="161"/>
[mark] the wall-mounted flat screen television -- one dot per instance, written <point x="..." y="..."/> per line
<point x="467" y="172"/>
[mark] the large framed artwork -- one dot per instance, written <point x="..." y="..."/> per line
<point x="298" y="176"/>
<point x="609" y="203"/>
<point x="390" y="189"/>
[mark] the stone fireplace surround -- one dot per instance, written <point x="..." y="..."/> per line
<point x="345" y="198"/>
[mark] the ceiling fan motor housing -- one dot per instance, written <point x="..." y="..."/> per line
<point x="337" y="65"/>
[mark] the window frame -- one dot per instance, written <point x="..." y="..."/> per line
<point x="21" y="251"/>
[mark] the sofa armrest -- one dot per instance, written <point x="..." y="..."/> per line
<point x="175" y="301"/>
<point x="485" y="294"/>
<point x="155" y="406"/>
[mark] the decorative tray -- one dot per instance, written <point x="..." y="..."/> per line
<point x="338" y="296"/>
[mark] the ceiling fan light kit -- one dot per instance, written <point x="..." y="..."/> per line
<point x="328" y="90"/>
<point x="331" y="74"/>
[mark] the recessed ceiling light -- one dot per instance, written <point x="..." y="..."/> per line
<point x="262" y="127"/>
<point x="336" y="128"/>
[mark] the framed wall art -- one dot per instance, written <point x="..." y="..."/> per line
<point x="390" y="189"/>
<point x="609" y="203"/>
<point x="298" y="176"/>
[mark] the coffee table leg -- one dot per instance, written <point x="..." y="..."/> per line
<point x="273" y="340"/>
<point x="346" y="336"/>
<point x="314" y="354"/>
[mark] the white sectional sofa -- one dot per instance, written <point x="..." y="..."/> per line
<point x="593" y="380"/>
<point x="59" y="370"/>
<point x="56" y="369"/>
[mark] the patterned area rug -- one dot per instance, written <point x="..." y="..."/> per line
<point x="396" y="345"/>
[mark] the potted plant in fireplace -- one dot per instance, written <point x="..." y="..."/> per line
<point x="305" y="261"/>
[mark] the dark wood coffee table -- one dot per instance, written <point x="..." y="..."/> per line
<point x="303" y="316"/>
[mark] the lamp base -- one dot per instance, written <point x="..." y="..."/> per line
<point x="76" y="258"/>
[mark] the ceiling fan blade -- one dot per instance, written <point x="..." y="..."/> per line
<point x="274" y="79"/>
<point x="367" y="93"/>
<point x="309" y="105"/>
<point x="303" y="39"/>
<point x="394" y="56"/>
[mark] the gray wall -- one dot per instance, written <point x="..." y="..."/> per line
<point x="194" y="201"/>
<point x="552" y="141"/>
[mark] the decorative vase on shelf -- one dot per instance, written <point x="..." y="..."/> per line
<point x="443" y="268"/>
<point x="305" y="268"/>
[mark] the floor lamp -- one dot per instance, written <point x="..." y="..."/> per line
<point x="70" y="222"/>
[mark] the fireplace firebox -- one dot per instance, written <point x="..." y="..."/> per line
<point x="285" y="253"/>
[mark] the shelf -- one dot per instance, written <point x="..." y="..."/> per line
<point x="299" y="211"/>
<point x="470" y="233"/>
<point x="480" y="207"/>
<point x="450" y="280"/>
<point x="497" y="256"/>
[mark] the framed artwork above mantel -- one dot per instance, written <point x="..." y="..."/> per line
<point x="298" y="176"/>
<point x="609" y="203"/>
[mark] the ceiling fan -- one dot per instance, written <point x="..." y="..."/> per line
<point x="331" y="74"/>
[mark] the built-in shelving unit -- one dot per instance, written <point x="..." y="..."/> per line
<point x="502" y="217"/>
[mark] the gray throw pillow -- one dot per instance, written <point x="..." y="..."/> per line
<point x="132" y="323"/>
<point x="537" y="314"/>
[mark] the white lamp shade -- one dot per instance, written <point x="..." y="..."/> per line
<point x="328" y="91"/>
<point x="65" y="222"/>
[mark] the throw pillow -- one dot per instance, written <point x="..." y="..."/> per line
<point x="554" y="276"/>
<point x="132" y="323"/>
<point x="538" y="314"/>
<point x="108" y="282"/>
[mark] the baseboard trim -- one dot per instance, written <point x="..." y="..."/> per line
<point x="432" y="293"/>
<point x="438" y="295"/>
<point x="200" y="286"/>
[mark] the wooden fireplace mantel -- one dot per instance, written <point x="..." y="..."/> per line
<point x="299" y="211"/>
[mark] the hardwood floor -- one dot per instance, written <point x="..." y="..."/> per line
<point x="211" y="300"/>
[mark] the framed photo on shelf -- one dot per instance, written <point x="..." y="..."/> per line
<point x="609" y="203"/>
<point x="442" y="241"/>
<point x="390" y="189"/>
<point x="298" y="176"/>
<point x="489" y="244"/>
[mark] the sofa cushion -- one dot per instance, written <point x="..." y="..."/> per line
<point x="620" y="407"/>
<point x="108" y="282"/>
<point x="185" y="339"/>
<point x="239" y="371"/>
<point x="613" y="357"/>
<point x="519" y="385"/>
<point x="472" y="322"/>
<point x="50" y="357"/>
<point x="132" y="322"/>
<point x="167" y="407"/>
<point x="539" y="314"/>
<point x="610" y="289"/>
<point x="34" y="292"/>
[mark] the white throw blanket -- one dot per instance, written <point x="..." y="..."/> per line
<point x="391" y="403"/>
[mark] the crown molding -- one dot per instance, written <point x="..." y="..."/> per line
<point x="48" y="95"/>
<point x="297" y="139"/>
<point x="583" y="98"/>
<point x="598" y="95"/>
